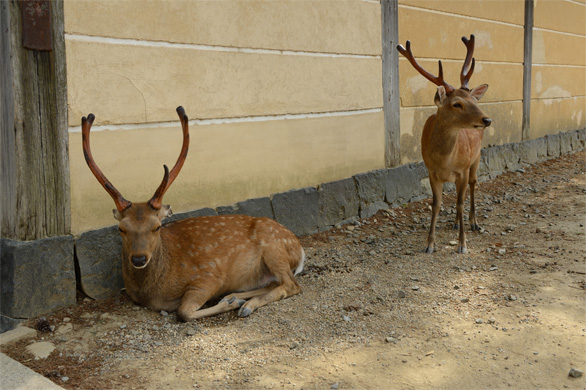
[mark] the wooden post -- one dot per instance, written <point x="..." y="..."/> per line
<point x="34" y="161"/>
<point x="391" y="104"/>
<point x="527" y="64"/>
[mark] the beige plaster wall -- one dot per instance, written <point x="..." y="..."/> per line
<point x="226" y="163"/>
<point x="134" y="84"/>
<point x="558" y="85"/>
<point x="281" y="94"/>
<point x="435" y="30"/>
<point x="284" y="94"/>
<point x="324" y="26"/>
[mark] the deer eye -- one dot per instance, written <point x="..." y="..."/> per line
<point x="121" y="230"/>
<point x="157" y="229"/>
<point x="457" y="105"/>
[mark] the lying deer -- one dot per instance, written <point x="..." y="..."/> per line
<point x="451" y="140"/>
<point x="182" y="265"/>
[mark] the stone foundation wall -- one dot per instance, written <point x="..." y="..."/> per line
<point x="40" y="276"/>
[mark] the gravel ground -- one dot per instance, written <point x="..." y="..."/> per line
<point x="375" y="312"/>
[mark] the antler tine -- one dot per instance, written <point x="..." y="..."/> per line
<point x="437" y="80"/>
<point x="169" y="177"/>
<point x="468" y="67"/>
<point x="86" y="124"/>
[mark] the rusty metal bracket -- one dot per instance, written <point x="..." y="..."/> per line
<point x="36" y="24"/>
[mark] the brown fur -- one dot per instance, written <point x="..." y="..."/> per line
<point x="194" y="260"/>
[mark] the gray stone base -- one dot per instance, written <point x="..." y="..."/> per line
<point x="37" y="276"/>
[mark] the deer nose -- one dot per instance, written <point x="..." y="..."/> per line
<point x="138" y="261"/>
<point x="486" y="121"/>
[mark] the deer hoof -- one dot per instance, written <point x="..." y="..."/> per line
<point x="244" y="311"/>
<point x="428" y="250"/>
<point x="456" y="226"/>
<point x="461" y="249"/>
<point x="475" y="227"/>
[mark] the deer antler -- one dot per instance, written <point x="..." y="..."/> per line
<point x="86" y="124"/>
<point x="437" y="80"/>
<point x="468" y="67"/>
<point x="169" y="177"/>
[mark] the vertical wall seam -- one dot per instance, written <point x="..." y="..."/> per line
<point x="527" y="64"/>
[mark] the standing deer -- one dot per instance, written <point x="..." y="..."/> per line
<point x="451" y="140"/>
<point x="183" y="264"/>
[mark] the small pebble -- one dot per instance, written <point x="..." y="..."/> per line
<point x="164" y="313"/>
<point x="574" y="373"/>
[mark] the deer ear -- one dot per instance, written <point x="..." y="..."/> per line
<point x="479" y="91"/>
<point x="117" y="214"/>
<point x="166" y="211"/>
<point x="440" y="96"/>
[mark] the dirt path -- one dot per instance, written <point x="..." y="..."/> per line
<point x="375" y="312"/>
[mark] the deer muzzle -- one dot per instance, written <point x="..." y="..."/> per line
<point x="486" y="121"/>
<point x="138" y="261"/>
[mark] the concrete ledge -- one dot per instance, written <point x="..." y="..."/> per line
<point x="15" y="376"/>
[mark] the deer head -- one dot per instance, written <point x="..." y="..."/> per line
<point x="455" y="106"/>
<point x="139" y="223"/>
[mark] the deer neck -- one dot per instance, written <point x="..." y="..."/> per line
<point x="142" y="284"/>
<point x="444" y="138"/>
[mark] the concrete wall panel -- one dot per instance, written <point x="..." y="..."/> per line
<point x="557" y="82"/>
<point x="315" y="26"/>
<point x="134" y="84"/>
<point x="505" y="81"/>
<point x="437" y="35"/>
<point x="550" y="116"/>
<point x="483" y="9"/>
<point x="553" y="15"/>
<point x="559" y="49"/>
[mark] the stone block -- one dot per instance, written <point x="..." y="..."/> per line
<point x="37" y="276"/>
<point x="553" y="145"/>
<point x="404" y="183"/>
<point x="528" y="151"/>
<point x="259" y="207"/>
<point x="99" y="257"/>
<point x="565" y="143"/>
<point x="297" y="210"/>
<point x="338" y="201"/>
<point x="371" y="186"/>
<point x="370" y="209"/>
<point x="190" y="214"/>
<point x="576" y="141"/>
<point x="494" y="161"/>
<point x="483" y="172"/>
<point x="510" y="153"/>
<point x="8" y="323"/>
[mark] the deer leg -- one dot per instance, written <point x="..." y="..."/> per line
<point x="284" y="290"/>
<point x="436" y="189"/>
<point x="461" y="184"/>
<point x="472" y="181"/>
<point x="276" y="258"/>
